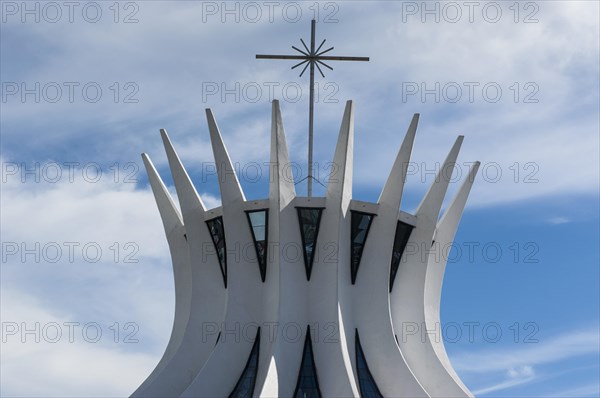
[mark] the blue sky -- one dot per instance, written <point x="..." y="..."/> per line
<point x="536" y="198"/>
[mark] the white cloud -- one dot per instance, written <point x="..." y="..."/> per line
<point x="210" y="201"/>
<point x="568" y="345"/>
<point x="557" y="137"/>
<point x="57" y="367"/>
<point x="170" y="54"/>
<point x="503" y="385"/>
<point x="587" y="390"/>
<point x="514" y="367"/>
<point x="111" y="293"/>
<point x="559" y="220"/>
<point x="526" y="371"/>
<point x="515" y="377"/>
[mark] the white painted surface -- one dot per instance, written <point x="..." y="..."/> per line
<point x="436" y="266"/>
<point x="182" y="268"/>
<point x="285" y="303"/>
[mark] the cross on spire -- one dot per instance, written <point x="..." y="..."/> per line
<point x="311" y="58"/>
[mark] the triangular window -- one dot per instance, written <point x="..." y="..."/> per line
<point x="366" y="383"/>
<point x="308" y="383"/>
<point x="361" y="223"/>
<point x="309" y="219"/>
<point x="217" y="233"/>
<point x="259" y="225"/>
<point x="403" y="231"/>
<point x="245" y="385"/>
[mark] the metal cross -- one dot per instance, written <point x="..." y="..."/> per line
<point x="311" y="58"/>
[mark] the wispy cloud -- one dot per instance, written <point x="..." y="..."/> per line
<point x="558" y="220"/>
<point x="169" y="54"/>
<point x="515" y="367"/>
<point x="587" y="390"/>
<point x="572" y="344"/>
<point x="515" y="377"/>
<point x="110" y="288"/>
<point x="559" y="54"/>
<point x="64" y="368"/>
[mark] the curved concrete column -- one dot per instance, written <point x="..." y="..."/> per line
<point x="208" y="292"/>
<point x="285" y="300"/>
<point x="407" y="297"/>
<point x="332" y="360"/>
<point x="245" y="288"/>
<point x="436" y="266"/>
<point x="182" y="269"/>
<point x="371" y="292"/>
<point x="337" y="300"/>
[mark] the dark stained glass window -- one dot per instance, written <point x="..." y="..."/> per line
<point x="361" y="223"/>
<point x="245" y="385"/>
<point x="403" y="231"/>
<point x="366" y="383"/>
<point x="259" y="222"/>
<point x="309" y="219"/>
<point x="217" y="233"/>
<point x="308" y="383"/>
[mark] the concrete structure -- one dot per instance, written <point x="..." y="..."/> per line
<point x="306" y="296"/>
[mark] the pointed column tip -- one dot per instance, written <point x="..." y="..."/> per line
<point x="275" y="107"/>
<point x="210" y="117"/>
<point x="166" y="141"/>
<point x="412" y="128"/>
<point x="391" y="193"/>
<point x="229" y="184"/>
<point x="349" y="110"/>
<point x="415" y="121"/>
<point x="474" y="169"/>
<point x="457" y="144"/>
<point x="148" y="164"/>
